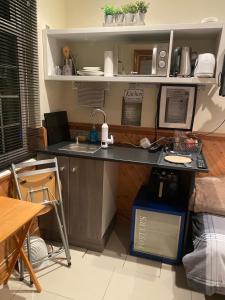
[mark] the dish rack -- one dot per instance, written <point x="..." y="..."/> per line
<point x="183" y="146"/>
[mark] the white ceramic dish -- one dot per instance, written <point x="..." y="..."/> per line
<point x="90" y="73"/>
<point x="91" y="68"/>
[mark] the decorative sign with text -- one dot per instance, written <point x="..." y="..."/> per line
<point x="132" y="107"/>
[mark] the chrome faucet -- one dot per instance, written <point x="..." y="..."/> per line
<point x="105" y="140"/>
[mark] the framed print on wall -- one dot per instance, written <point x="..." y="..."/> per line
<point x="176" y="107"/>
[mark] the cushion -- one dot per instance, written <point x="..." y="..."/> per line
<point x="209" y="195"/>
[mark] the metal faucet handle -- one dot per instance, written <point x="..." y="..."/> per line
<point x="111" y="139"/>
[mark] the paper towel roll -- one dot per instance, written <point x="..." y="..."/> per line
<point x="108" y="63"/>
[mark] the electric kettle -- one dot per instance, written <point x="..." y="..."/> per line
<point x="185" y="62"/>
<point x="205" y="65"/>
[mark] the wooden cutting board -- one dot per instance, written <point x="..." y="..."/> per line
<point x="178" y="159"/>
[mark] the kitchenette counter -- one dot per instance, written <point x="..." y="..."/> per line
<point x="123" y="154"/>
<point x="90" y="186"/>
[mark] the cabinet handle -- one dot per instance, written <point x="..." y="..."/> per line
<point x="62" y="168"/>
<point x="74" y="169"/>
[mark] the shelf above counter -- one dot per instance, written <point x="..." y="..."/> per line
<point x="135" y="79"/>
<point x="202" y="38"/>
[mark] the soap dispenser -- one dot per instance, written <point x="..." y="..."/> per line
<point x="93" y="134"/>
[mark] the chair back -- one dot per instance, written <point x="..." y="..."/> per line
<point x="38" y="181"/>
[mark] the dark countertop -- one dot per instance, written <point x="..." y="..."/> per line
<point x="122" y="154"/>
<point x="113" y="153"/>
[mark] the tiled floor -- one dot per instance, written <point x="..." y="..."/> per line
<point x="111" y="275"/>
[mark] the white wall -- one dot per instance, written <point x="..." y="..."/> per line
<point x="76" y="13"/>
<point x="88" y="12"/>
<point x="53" y="14"/>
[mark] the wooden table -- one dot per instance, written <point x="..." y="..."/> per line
<point x="16" y="217"/>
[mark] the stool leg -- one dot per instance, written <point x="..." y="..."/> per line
<point x="21" y="269"/>
<point x="62" y="233"/>
<point x="29" y="253"/>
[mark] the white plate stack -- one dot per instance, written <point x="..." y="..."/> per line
<point x="90" y="71"/>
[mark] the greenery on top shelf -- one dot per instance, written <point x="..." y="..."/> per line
<point x="142" y="6"/>
<point x="130" y="8"/>
<point x="139" y="6"/>
<point x="109" y="10"/>
<point x="118" y="11"/>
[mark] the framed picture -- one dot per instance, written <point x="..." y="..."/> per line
<point x="143" y="61"/>
<point x="176" y="107"/>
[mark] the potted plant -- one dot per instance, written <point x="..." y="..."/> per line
<point x="119" y="16"/>
<point x="109" y="12"/>
<point x="142" y="8"/>
<point x="129" y="10"/>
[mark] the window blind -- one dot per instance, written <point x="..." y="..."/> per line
<point x="19" y="89"/>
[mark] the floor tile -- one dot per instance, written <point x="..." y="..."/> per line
<point x="137" y="265"/>
<point x="125" y="286"/>
<point x="173" y="283"/>
<point x="112" y="257"/>
<point x="8" y="291"/>
<point x="110" y="275"/>
<point x="119" y="241"/>
<point x="61" y="262"/>
<point x="105" y="260"/>
<point x="77" y="252"/>
<point x="33" y="295"/>
<point x="81" y="282"/>
<point x="197" y="296"/>
<point x="142" y="285"/>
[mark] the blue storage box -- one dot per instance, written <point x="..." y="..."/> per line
<point x="157" y="229"/>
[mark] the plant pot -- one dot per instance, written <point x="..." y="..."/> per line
<point x="119" y="18"/>
<point x="129" y="18"/>
<point x="109" y="19"/>
<point x="140" y="18"/>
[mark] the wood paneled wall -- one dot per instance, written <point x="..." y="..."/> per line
<point x="132" y="176"/>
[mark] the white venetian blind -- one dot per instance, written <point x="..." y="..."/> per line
<point x="19" y="90"/>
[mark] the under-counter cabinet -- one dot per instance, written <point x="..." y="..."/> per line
<point x="89" y="190"/>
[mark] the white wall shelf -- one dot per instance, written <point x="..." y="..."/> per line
<point x="208" y="37"/>
<point x="135" y="79"/>
<point x="97" y="33"/>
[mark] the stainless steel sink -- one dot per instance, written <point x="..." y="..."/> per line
<point x="86" y="148"/>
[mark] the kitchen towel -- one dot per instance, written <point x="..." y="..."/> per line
<point x="91" y="94"/>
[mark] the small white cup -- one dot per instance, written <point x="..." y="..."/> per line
<point x="145" y="143"/>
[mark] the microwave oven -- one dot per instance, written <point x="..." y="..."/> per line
<point x="151" y="60"/>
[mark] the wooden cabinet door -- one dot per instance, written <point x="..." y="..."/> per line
<point x="85" y="200"/>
